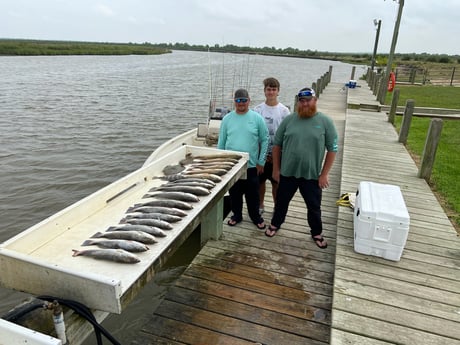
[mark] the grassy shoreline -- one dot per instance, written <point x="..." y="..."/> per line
<point x="446" y="170"/>
<point x="35" y="47"/>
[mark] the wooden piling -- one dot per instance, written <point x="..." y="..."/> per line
<point x="429" y="151"/>
<point x="407" y="118"/>
<point x="394" y="105"/>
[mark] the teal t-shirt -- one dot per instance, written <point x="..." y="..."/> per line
<point x="245" y="133"/>
<point x="304" y="142"/>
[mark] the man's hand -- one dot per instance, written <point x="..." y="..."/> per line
<point x="323" y="181"/>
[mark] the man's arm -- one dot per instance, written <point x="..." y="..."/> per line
<point x="276" y="157"/>
<point x="323" y="180"/>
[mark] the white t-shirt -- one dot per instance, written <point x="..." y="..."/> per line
<point x="273" y="116"/>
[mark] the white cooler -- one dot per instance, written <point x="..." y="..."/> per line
<point x="381" y="221"/>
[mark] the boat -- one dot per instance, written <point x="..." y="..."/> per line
<point x="39" y="260"/>
<point x="204" y="135"/>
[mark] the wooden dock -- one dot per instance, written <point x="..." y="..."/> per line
<point x="376" y="301"/>
<point x="250" y="289"/>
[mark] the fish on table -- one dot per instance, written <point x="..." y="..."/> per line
<point x="115" y="255"/>
<point x="220" y="165"/>
<point x="212" y="177"/>
<point x="182" y="196"/>
<point x="170" y="218"/>
<point x="139" y="236"/>
<point x="152" y="230"/>
<point x="148" y="221"/>
<point x="182" y="205"/>
<point x="204" y="170"/>
<point x="229" y="156"/>
<point x="195" y="190"/>
<point x="157" y="209"/>
<point x="185" y="182"/>
<point x="128" y="245"/>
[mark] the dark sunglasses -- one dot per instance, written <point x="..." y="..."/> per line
<point x="241" y="100"/>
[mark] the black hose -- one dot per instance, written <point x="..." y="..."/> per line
<point x="86" y="313"/>
<point x="15" y="314"/>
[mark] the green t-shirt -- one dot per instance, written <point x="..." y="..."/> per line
<point x="304" y="142"/>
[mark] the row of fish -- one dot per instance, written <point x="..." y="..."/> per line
<point x="144" y="223"/>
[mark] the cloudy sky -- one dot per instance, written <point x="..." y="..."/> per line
<point x="430" y="26"/>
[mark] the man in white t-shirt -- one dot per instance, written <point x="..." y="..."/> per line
<point x="273" y="112"/>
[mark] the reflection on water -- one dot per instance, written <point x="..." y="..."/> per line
<point x="70" y="125"/>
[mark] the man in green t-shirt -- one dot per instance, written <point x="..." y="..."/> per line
<point x="301" y="142"/>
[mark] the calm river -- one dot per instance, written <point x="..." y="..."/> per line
<point x="70" y="125"/>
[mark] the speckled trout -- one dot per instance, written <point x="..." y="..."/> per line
<point x="116" y="255"/>
<point x="128" y="245"/>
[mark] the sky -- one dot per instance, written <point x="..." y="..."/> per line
<point x="427" y="26"/>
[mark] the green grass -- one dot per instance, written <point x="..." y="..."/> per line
<point x="428" y="96"/>
<point x="446" y="169"/>
<point x="32" y="47"/>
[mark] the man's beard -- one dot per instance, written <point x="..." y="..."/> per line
<point x="306" y="111"/>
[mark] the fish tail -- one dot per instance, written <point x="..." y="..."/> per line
<point x="87" y="243"/>
<point x="75" y="252"/>
<point x="97" y="235"/>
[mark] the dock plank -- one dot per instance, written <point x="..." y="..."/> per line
<point x="246" y="288"/>
<point x="417" y="299"/>
<point x="384" y="331"/>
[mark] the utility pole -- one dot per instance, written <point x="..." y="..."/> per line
<point x="374" y="54"/>
<point x="384" y="83"/>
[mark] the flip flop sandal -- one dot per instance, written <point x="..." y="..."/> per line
<point x="233" y="221"/>
<point x="321" y="240"/>
<point x="271" y="228"/>
<point x="261" y="225"/>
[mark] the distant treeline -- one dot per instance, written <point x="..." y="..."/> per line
<point x="37" y="47"/>
<point x="363" y="58"/>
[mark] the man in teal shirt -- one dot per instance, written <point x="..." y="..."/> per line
<point x="245" y="130"/>
<point x="305" y="138"/>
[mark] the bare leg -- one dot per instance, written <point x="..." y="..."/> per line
<point x="274" y="191"/>
<point x="262" y="195"/>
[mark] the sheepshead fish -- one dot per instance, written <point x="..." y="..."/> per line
<point x="116" y="255"/>
<point x="173" y="169"/>
<point x="138" y="236"/>
<point x="182" y="196"/>
<point x="157" y="209"/>
<point x="128" y="245"/>
<point x="167" y="203"/>
<point x="152" y="230"/>
<point x="150" y="222"/>
<point x="170" y="218"/>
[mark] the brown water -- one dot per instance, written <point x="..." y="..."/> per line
<point x="70" y="125"/>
